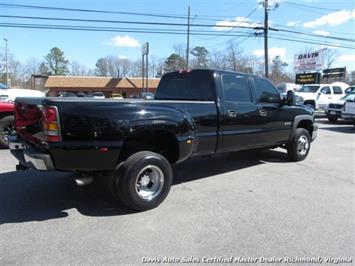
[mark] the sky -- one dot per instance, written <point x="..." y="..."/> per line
<point x="333" y="23"/>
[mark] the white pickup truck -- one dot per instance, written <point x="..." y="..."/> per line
<point x="348" y="112"/>
<point x="320" y="95"/>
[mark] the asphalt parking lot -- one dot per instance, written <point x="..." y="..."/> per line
<point x="248" y="205"/>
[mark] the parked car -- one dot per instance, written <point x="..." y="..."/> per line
<point x="348" y="112"/>
<point x="81" y="94"/>
<point x="98" y="95"/>
<point x="333" y="110"/>
<point x="7" y="123"/>
<point x="320" y="95"/>
<point x="9" y="95"/>
<point x="147" y="95"/>
<point x="117" y="96"/>
<point x="67" y="94"/>
<point x="350" y="89"/>
<point x="285" y="87"/>
<point x="135" y="142"/>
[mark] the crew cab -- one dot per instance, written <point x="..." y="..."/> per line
<point x="135" y="142"/>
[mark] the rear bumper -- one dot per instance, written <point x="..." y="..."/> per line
<point x="333" y="113"/>
<point x="29" y="156"/>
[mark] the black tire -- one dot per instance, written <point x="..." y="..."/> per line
<point x="332" y="119"/>
<point x="298" y="148"/>
<point x="148" y="165"/>
<point x="7" y="127"/>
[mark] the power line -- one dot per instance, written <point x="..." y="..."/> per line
<point x="311" y="42"/>
<point x="282" y="27"/>
<point x="173" y="24"/>
<point x="110" y="29"/>
<point x="161" y="31"/>
<point x="310" y="7"/>
<point x="122" y="21"/>
<point x="90" y="11"/>
<point x="174" y="16"/>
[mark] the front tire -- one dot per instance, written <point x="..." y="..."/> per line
<point x="298" y="148"/>
<point x="7" y="127"/>
<point x="143" y="181"/>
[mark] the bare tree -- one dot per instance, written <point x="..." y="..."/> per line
<point x="330" y="54"/>
<point x="124" y="65"/>
<point x="233" y="56"/>
<point x="180" y="49"/>
<point x="78" y="69"/>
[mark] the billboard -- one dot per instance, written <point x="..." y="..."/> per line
<point x="312" y="61"/>
<point x="334" y="72"/>
<point x="308" y="78"/>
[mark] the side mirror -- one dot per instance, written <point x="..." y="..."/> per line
<point x="290" y="98"/>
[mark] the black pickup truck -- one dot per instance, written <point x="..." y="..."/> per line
<point x="197" y="112"/>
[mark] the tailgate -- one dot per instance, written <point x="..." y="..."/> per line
<point x="28" y="119"/>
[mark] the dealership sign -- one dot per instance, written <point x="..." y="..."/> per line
<point x="309" y="61"/>
<point x="308" y="78"/>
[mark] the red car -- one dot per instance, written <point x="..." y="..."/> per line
<point x="6" y="122"/>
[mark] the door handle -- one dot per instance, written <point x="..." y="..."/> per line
<point x="263" y="112"/>
<point x="232" y="113"/>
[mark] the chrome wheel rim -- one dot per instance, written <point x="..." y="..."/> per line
<point x="302" y="145"/>
<point x="149" y="182"/>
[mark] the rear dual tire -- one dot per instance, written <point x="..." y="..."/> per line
<point x="143" y="181"/>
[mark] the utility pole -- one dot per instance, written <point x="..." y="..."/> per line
<point x="7" y="64"/>
<point x="188" y="38"/>
<point x="266" y="29"/>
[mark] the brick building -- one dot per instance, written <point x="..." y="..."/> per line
<point x="124" y="86"/>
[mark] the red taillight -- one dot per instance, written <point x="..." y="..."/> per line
<point x="51" y="124"/>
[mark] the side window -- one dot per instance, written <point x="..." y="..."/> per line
<point x="325" y="90"/>
<point x="337" y="90"/>
<point x="236" y="88"/>
<point x="265" y="91"/>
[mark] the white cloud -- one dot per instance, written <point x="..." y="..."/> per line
<point x="321" y="32"/>
<point x="292" y="23"/>
<point x="241" y="22"/>
<point x="345" y="58"/>
<point x="331" y="19"/>
<point x="273" y="51"/>
<point x="123" y="41"/>
<point x="121" y="56"/>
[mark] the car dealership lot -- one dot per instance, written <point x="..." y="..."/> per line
<point x="248" y="205"/>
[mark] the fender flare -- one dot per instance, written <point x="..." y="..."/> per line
<point x="296" y="122"/>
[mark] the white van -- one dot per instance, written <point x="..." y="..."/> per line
<point x="9" y="95"/>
